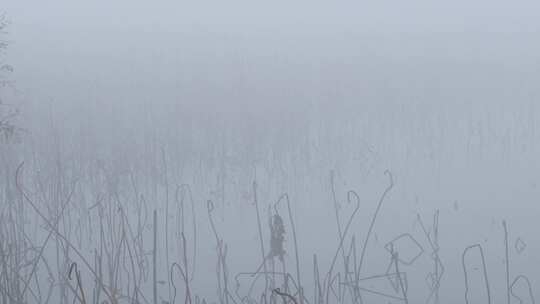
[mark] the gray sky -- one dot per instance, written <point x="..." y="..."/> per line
<point x="368" y="16"/>
<point x="65" y="47"/>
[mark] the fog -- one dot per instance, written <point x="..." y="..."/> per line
<point x="284" y="152"/>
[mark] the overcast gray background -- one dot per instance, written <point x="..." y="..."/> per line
<point x="444" y="94"/>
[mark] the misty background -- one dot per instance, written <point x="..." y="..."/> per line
<point x="302" y="98"/>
